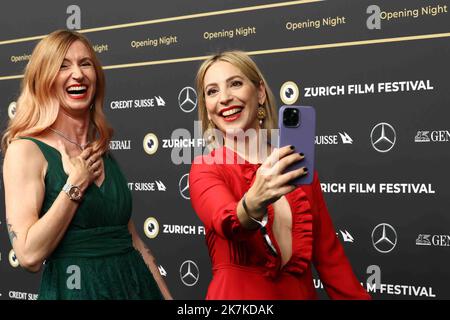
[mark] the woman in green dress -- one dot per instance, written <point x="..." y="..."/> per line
<point x="67" y="202"/>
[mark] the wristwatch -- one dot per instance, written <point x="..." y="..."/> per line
<point x="74" y="192"/>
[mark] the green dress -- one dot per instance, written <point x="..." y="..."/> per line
<point x="96" y="258"/>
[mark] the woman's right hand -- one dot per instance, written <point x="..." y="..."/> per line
<point x="83" y="169"/>
<point x="271" y="183"/>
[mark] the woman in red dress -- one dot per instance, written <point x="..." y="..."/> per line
<point x="263" y="233"/>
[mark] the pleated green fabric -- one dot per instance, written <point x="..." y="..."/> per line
<point x="96" y="258"/>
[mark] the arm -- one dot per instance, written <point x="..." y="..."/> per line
<point x="32" y="238"/>
<point x="215" y="204"/>
<point x="149" y="260"/>
<point x="329" y="257"/>
<point x="218" y="208"/>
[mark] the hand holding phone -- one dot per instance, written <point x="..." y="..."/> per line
<point x="297" y="126"/>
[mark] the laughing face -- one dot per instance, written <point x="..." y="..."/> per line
<point x="231" y="98"/>
<point x="76" y="79"/>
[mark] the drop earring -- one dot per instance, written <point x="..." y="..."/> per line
<point x="261" y="114"/>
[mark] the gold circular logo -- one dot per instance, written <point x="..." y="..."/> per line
<point x="150" y="143"/>
<point x="13" y="259"/>
<point x="151" y="228"/>
<point x="289" y="92"/>
<point x="12" y="109"/>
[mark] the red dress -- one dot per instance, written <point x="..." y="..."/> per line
<point x="243" y="267"/>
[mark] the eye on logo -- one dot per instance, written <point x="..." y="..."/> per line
<point x="384" y="238"/>
<point x="187" y="99"/>
<point x="12" y="109"/>
<point x="150" y="143"/>
<point x="189" y="273"/>
<point x="13" y="259"/>
<point x="151" y="228"/>
<point x="289" y="92"/>
<point x="383" y="137"/>
<point x="183" y="186"/>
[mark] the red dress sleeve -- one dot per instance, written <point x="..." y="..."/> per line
<point x="329" y="257"/>
<point x="214" y="202"/>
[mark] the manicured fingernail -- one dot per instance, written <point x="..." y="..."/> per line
<point x="301" y="154"/>
<point x="305" y="169"/>
<point x="292" y="147"/>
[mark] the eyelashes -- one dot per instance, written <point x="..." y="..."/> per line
<point x="83" y="64"/>
<point x="234" y="83"/>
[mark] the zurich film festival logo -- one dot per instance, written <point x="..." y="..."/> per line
<point x="289" y="92"/>
<point x="12" y="110"/>
<point x="384" y="238"/>
<point x="151" y="228"/>
<point x="150" y="143"/>
<point x="189" y="273"/>
<point x="183" y="186"/>
<point x="187" y="99"/>
<point x="13" y="261"/>
<point x="383" y="137"/>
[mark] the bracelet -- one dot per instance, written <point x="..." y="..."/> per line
<point x="264" y="219"/>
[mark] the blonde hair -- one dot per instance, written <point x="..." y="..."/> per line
<point x="248" y="67"/>
<point x="37" y="106"/>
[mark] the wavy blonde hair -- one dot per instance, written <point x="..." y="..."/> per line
<point x="37" y="106"/>
<point x="248" y="67"/>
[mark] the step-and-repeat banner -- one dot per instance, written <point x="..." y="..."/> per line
<point x="376" y="71"/>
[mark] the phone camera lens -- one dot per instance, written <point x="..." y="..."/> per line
<point x="291" y="117"/>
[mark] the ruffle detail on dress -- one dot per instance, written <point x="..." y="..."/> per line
<point x="232" y="227"/>
<point x="249" y="172"/>
<point x="302" y="232"/>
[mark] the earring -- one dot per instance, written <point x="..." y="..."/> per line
<point x="91" y="107"/>
<point x="261" y="114"/>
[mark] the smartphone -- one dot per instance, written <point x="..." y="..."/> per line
<point x="297" y="126"/>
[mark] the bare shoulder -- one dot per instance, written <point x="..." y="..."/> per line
<point x="23" y="153"/>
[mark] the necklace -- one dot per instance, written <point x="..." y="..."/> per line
<point x="81" y="146"/>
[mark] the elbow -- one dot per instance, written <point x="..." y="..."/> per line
<point x="33" y="268"/>
<point x="30" y="263"/>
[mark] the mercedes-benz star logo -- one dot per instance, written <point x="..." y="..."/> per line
<point x="384" y="238"/>
<point x="383" y="137"/>
<point x="187" y="99"/>
<point x="189" y="273"/>
<point x="184" y="186"/>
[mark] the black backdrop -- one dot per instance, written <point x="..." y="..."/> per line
<point x="396" y="187"/>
